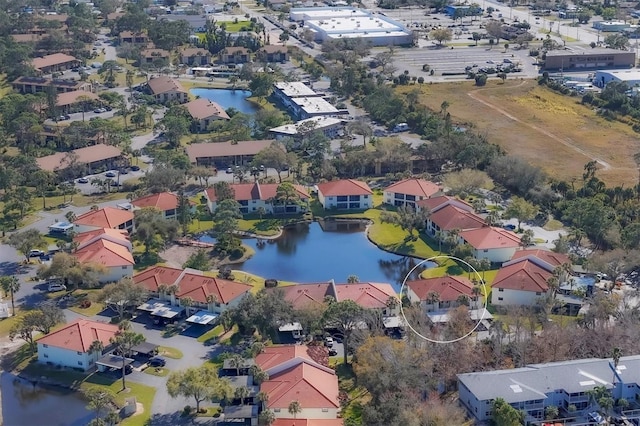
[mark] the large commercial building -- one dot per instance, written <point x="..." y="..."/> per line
<point x="565" y="384"/>
<point x="333" y="23"/>
<point x="592" y="58"/>
<point x="303" y="102"/>
<point x="631" y="77"/>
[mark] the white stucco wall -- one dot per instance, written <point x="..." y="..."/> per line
<point x="497" y="255"/>
<point x="332" y="202"/>
<point x="514" y="297"/>
<point x="307" y="413"/>
<point x="116" y="273"/>
<point x="65" y="357"/>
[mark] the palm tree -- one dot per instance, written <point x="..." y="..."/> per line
<point x="236" y="361"/>
<point x="553" y="284"/>
<point x="96" y="347"/>
<point x="212" y="300"/>
<point x="295" y="408"/>
<point x="242" y="393"/>
<point x="266" y="418"/>
<point x="70" y="216"/>
<point x="433" y="298"/>
<point x="352" y="279"/>
<point x="10" y="285"/>
<point x="616" y="354"/>
<point x="186" y="303"/>
<point x="263" y="397"/>
<point x="476" y="294"/>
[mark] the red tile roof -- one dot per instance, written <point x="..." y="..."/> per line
<point x="203" y="108"/>
<point x="114" y="234"/>
<point x="225" y="149"/>
<point x="108" y="217"/>
<point x="303" y="295"/>
<point x="198" y="287"/>
<point x="79" y="334"/>
<point x="417" y="187"/>
<point x="310" y="385"/>
<point x="448" y="288"/>
<point x="490" y="237"/>
<point x="105" y="252"/>
<point x="88" y="155"/>
<point x="272" y="356"/>
<point x="49" y="60"/>
<point x="157" y="275"/>
<point x="552" y="258"/>
<point x="163" y="201"/>
<point x="435" y="203"/>
<point x="344" y="187"/>
<point x="524" y="276"/>
<point x="163" y="84"/>
<point x="256" y="191"/>
<point x="367" y="295"/>
<point x="451" y="217"/>
<point x="308" y="422"/>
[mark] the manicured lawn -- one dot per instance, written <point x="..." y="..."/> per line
<point x="82" y="381"/>
<point x="553" y="225"/>
<point x="156" y="371"/>
<point x="7" y="323"/>
<point x="92" y="310"/>
<point x="234" y="27"/>
<point x="169" y="352"/>
<point x="266" y="227"/>
<point x="211" y="334"/>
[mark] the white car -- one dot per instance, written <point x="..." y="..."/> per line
<point x="36" y="253"/>
<point x="56" y="287"/>
<point x="328" y="341"/>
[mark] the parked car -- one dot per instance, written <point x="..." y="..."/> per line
<point x="56" y="287"/>
<point x="128" y="369"/>
<point x="594" y="416"/>
<point x="328" y="341"/>
<point x="124" y="171"/>
<point x="83" y="180"/>
<point x="135" y="168"/>
<point x="509" y="227"/>
<point x="333" y="352"/>
<point x="157" y="361"/>
<point x="229" y="170"/>
<point x="36" y="253"/>
<point x="110" y="174"/>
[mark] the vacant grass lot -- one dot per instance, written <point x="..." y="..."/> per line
<point x="548" y="129"/>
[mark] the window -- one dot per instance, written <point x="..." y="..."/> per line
<point x="501" y="289"/>
<point x="342" y="198"/>
<point x="354" y="198"/>
<point x="485" y="250"/>
<point x="124" y="268"/>
<point x="500" y="298"/>
<point x="44" y="345"/>
<point x="45" y="355"/>
<point x="399" y="196"/>
<point x="365" y="196"/>
<point x="325" y="410"/>
<point x="276" y="410"/>
<point x="79" y="353"/>
<point x="538" y="293"/>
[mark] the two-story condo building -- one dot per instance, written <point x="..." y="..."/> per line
<point x="347" y="194"/>
<point x="107" y="217"/>
<point x="252" y="196"/>
<point x="408" y="192"/>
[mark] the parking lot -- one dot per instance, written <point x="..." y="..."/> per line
<point x="117" y="178"/>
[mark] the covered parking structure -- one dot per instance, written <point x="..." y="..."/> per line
<point x="146" y="349"/>
<point x="110" y="361"/>
<point x="203" y="318"/>
<point x="161" y="311"/>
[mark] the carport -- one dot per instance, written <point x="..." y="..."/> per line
<point x="160" y="309"/>
<point x="202" y="318"/>
<point x="146" y="348"/>
<point x="112" y="361"/>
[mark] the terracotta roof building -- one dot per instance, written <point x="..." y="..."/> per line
<point x="437" y="202"/>
<point x="496" y="244"/>
<point x="409" y="191"/>
<point x="226" y="154"/>
<point x="70" y="345"/>
<point x="207" y="293"/>
<point x="448" y="289"/>
<point x="119" y="236"/>
<point x="252" y="196"/>
<point x="273" y="53"/>
<point x="133" y="38"/>
<point x="53" y="63"/>
<point x="524" y="279"/>
<point x="204" y="112"/>
<point x="107" y="217"/>
<point x="451" y="217"/>
<point x="166" y="202"/>
<point x="346" y="194"/>
<point x="93" y="156"/>
<point x="40" y="84"/>
<point x="165" y="89"/>
<point x="294" y="376"/>
<point x="195" y="56"/>
<point x="303" y="296"/>
<point x="115" y="256"/>
<point x="235" y="55"/>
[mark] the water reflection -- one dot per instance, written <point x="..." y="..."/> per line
<point x="334" y="250"/>
<point x="26" y="404"/>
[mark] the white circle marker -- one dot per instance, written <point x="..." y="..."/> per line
<point x="484" y="289"/>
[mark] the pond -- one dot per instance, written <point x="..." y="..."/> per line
<point x="227" y="98"/>
<point x="23" y="404"/>
<point x="308" y="253"/>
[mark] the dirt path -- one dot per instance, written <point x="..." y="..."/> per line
<point x="475" y="95"/>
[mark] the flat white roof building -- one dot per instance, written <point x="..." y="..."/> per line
<point x="315" y="106"/>
<point x="330" y="126"/>
<point x="332" y="23"/>
<point x="295" y="89"/>
<point x="604" y="77"/>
